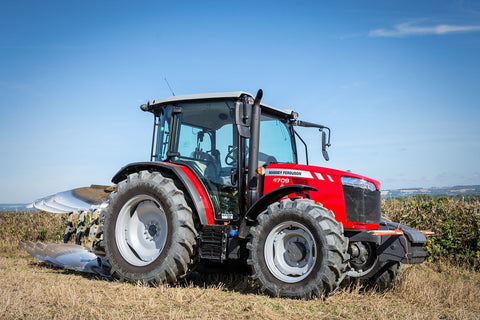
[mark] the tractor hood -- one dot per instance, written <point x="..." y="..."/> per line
<point x="321" y="173"/>
<point x="354" y="199"/>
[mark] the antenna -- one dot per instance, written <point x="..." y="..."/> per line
<point x="168" y="84"/>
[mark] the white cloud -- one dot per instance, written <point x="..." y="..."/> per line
<point x="408" y="29"/>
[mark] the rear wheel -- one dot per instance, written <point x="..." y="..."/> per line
<point x="149" y="233"/>
<point x="297" y="249"/>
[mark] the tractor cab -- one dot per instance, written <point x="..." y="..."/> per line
<point x="200" y="132"/>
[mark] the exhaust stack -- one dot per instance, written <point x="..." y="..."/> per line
<point x="253" y="150"/>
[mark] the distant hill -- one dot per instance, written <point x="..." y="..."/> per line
<point x="13" y="207"/>
<point x="447" y="191"/>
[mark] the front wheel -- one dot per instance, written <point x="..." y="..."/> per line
<point x="372" y="273"/>
<point x="149" y="233"/>
<point x="385" y="278"/>
<point x="387" y="273"/>
<point x="297" y="249"/>
<point x="367" y="269"/>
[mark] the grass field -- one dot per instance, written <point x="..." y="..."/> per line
<point x="30" y="289"/>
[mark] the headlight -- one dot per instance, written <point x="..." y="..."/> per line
<point x="358" y="183"/>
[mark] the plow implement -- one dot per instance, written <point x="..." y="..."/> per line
<point x="84" y="207"/>
<point x="68" y="256"/>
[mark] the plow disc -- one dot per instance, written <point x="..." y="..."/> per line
<point x="76" y="200"/>
<point x="85" y="205"/>
<point x="68" y="256"/>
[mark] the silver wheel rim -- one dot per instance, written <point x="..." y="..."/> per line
<point x="141" y="230"/>
<point x="290" y="251"/>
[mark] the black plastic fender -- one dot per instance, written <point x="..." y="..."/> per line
<point x="273" y="196"/>
<point x="266" y="200"/>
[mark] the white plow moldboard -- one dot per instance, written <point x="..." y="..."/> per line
<point x="68" y="256"/>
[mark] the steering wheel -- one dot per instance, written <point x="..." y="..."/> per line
<point x="230" y="158"/>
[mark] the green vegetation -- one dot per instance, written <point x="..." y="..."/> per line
<point x="426" y="197"/>
<point x="456" y="223"/>
<point x="29" y="226"/>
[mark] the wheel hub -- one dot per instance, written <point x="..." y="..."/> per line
<point x="152" y="230"/>
<point x="141" y="230"/>
<point x="290" y="251"/>
<point x="295" y="252"/>
<point x="362" y="258"/>
<point x="359" y="254"/>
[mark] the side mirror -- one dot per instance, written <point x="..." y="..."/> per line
<point x="324" y="146"/>
<point x="243" y="115"/>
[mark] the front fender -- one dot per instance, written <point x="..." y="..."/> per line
<point x="274" y="196"/>
<point x="266" y="200"/>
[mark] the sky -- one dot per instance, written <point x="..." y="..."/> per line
<point x="396" y="81"/>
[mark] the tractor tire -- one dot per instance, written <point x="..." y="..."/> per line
<point x="149" y="234"/>
<point x="387" y="273"/>
<point x="379" y="275"/>
<point x="385" y="277"/>
<point x="297" y="249"/>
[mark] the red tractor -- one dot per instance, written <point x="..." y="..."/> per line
<point x="224" y="183"/>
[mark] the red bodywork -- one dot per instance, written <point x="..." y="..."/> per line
<point x="326" y="181"/>
<point x="201" y="191"/>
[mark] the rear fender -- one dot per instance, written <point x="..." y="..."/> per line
<point x="189" y="183"/>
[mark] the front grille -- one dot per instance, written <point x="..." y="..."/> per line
<point x="362" y="205"/>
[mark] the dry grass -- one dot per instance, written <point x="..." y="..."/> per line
<point x="30" y="289"/>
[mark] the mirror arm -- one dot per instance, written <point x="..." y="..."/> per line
<point x="307" y="124"/>
<point x="328" y="143"/>
<point x="306" y="148"/>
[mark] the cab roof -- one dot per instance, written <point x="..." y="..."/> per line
<point x="156" y="104"/>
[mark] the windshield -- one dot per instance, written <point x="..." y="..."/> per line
<point x="275" y="142"/>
